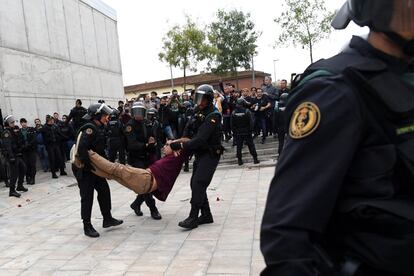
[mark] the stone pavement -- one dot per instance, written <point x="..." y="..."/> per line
<point x="41" y="233"/>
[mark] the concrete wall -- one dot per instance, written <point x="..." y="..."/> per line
<point x="55" y="51"/>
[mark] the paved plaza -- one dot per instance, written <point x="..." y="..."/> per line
<point x="41" y="233"/>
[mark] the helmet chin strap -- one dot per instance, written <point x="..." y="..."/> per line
<point x="406" y="45"/>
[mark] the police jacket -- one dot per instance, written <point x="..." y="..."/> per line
<point x="206" y="126"/>
<point x="241" y="121"/>
<point x="12" y="143"/>
<point x="29" y="136"/>
<point x="343" y="187"/>
<point x="51" y="134"/>
<point x="137" y="136"/>
<point x="76" y="115"/>
<point x="92" y="138"/>
<point x="115" y="133"/>
<point x="66" y="131"/>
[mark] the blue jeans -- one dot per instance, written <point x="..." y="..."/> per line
<point x="260" y="125"/>
<point x="168" y="132"/>
<point x="42" y="153"/>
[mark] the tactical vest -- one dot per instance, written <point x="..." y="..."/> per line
<point x="98" y="142"/>
<point x="375" y="218"/>
<point x="241" y="122"/>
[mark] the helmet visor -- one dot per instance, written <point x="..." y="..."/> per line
<point x="104" y="110"/>
<point x="138" y="111"/>
<point x="198" y="98"/>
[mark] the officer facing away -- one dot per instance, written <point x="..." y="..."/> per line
<point x="342" y="199"/>
<point x="242" y="126"/>
<point x="12" y="143"/>
<point x="140" y="144"/>
<point x="207" y="148"/>
<point x="93" y="138"/>
<point x="280" y="121"/>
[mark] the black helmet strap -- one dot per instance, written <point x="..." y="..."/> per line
<point x="406" y="45"/>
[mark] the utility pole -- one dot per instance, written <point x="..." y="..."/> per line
<point x="253" y="73"/>
<point x="274" y="69"/>
<point x="172" y="79"/>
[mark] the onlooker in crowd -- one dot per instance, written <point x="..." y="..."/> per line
<point x="41" y="148"/>
<point x="217" y="101"/>
<point x="260" y="107"/>
<point x="76" y="115"/>
<point x="166" y="117"/>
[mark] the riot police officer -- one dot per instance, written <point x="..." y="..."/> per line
<point x="93" y="138"/>
<point x="52" y="139"/>
<point x="116" y="138"/>
<point x="242" y="127"/>
<point x="155" y="130"/>
<point x="29" y="150"/>
<point x="76" y="114"/>
<point x="207" y="148"/>
<point x="140" y="143"/>
<point x="280" y="122"/>
<point x="13" y="145"/>
<point x="342" y="199"/>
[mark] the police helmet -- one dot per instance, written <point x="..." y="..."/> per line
<point x="151" y="113"/>
<point x="95" y="111"/>
<point x="387" y="16"/>
<point x="241" y="102"/>
<point x="187" y="104"/>
<point x="9" y="119"/>
<point x="283" y="99"/>
<point x="381" y="15"/>
<point x="138" y="110"/>
<point x="114" y="115"/>
<point x="204" y="91"/>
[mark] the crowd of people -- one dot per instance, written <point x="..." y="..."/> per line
<point x="246" y="114"/>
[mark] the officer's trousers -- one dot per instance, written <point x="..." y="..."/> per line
<point x="204" y="167"/>
<point x="29" y="158"/>
<point x="240" y="139"/>
<point x="114" y="149"/>
<point x="87" y="183"/>
<point x="281" y="133"/>
<point x="55" y="158"/>
<point x="227" y="127"/>
<point x="17" y="173"/>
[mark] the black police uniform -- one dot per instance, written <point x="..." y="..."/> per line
<point x="207" y="149"/>
<point x="116" y="140"/>
<point x="13" y="147"/>
<point x="154" y="130"/>
<point x="29" y="152"/>
<point x="92" y="138"/>
<point x="242" y="127"/>
<point x="137" y="136"/>
<point x="52" y="139"/>
<point x="343" y="191"/>
<point x="76" y="115"/>
<point x="67" y="133"/>
<point x="280" y="121"/>
<point x="4" y="166"/>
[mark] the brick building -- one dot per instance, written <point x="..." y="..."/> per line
<point x="164" y="87"/>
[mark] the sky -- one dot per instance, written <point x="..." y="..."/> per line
<point x="143" y="24"/>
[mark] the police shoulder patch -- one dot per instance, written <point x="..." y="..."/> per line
<point x="305" y="120"/>
<point x="89" y="131"/>
<point x="128" y="128"/>
<point x="6" y="135"/>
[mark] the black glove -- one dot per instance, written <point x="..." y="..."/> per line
<point x="175" y="146"/>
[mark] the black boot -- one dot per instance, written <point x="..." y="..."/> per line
<point x="255" y="160"/>
<point x="89" y="230"/>
<point x="186" y="168"/>
<point x="240" y="161"/>
<point x="206" y="216"/>
<point x="7" y="183"/>
<point x="54" y="175"/>
<point x="136" y="205"/>
<point x="192" y="221"/>
<point x="155" y="214"/>
<point x="14" y="193"/>
<point x="62" y="172"/>
<point x="110" y="221"/>
<point x="21" y="188"/>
